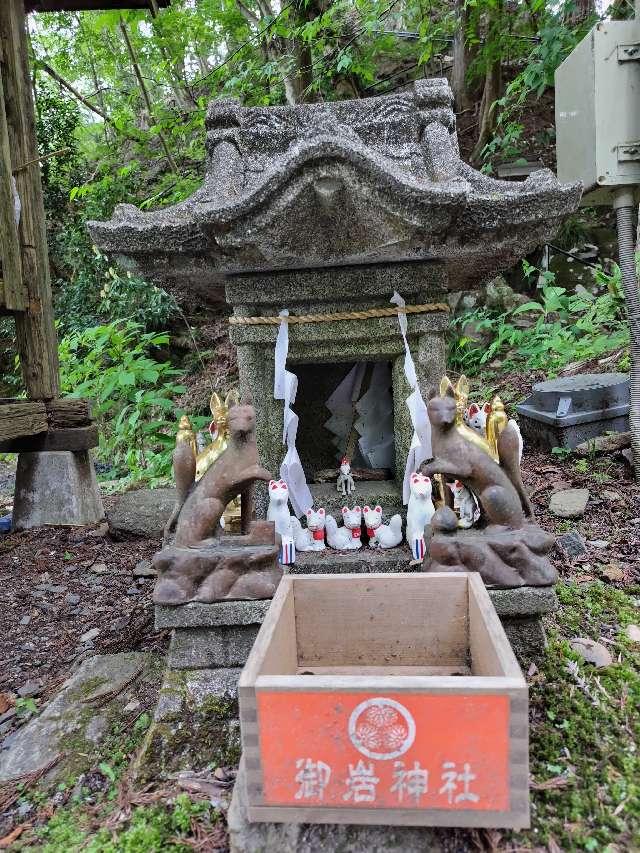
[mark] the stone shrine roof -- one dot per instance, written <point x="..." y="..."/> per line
<point x="334" y="184"/>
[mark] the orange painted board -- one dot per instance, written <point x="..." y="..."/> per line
<point x="397" y="750"/>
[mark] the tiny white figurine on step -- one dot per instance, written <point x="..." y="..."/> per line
<point x="382" y="535"/>
<point x="348" y="536"/>
<point x="466" y="503"/>
<point x="345" y="482"/>
<point x="419" y="513"/>
<point x="278" y="510"/>
<point x="311" y="537"/>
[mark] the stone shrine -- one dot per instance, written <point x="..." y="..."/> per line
<point x="325" y="208"/>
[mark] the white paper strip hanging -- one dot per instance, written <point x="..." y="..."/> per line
<point x="285" y="387"/>
<point x="420" y="448"/>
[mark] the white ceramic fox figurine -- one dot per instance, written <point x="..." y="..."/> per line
<point x="476" y="417"/>
<point x="311" y="537"/>
<point x="348" y="536"/>
<point x="466" y="504"/>
<point x="382" y="535"/>
<point x="420" y="509"/>
<point x="278" y="510"/>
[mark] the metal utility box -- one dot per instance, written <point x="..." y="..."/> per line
<point x="598" y="110"/>
<point x="567" y="411"/>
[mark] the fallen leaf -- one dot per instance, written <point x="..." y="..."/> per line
<point x="633" y="633"/>
<point x="6" y="702"/>
<point x="553" y="846"/>
<point x="613" y="572"/>
<point x="15" y="833"/>
<point x="533" y="669"/>
<point x="591" y="652"/>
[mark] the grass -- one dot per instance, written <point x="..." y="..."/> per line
<point x="585" y="727"/>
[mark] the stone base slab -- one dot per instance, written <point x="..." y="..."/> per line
<point x="248" y="837"/>
<point x="56" y="487"/>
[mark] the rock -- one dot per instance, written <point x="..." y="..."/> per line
<point x="144" y="569"/>
<point x="70" y="727"/>
<point x="598" y="543"/>
<point x="604" y="444"/>
<point x="99" y="568"/>
<point x="143" y="512"/>
<point x="30" y="688"/>
<point x="633" y="633"/>
<point x="591" y="652"/>
<point x="572" y="544"/>
<point x="628" y="457"/>
<point x="569" y="503"/>
<point x="612" y="496"/>
<point x="133" y="705"/>
<point x="90" y="635"/>
<point x="71" y="598"/>
<point x="25" y="620"/>
<point x="133" y="590"/>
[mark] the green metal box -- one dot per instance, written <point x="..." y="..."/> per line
<point x="598" y="110"/>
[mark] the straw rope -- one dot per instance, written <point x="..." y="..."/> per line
<point x="236" y="320"/>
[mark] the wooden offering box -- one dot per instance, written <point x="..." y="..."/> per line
<point x="385" y="699"/>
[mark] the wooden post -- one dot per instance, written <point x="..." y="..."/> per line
<point x="35" y="330"/>
<point x="14" y="292"/>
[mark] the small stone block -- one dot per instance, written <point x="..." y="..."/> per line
<point x="524" y="601"/>
<point x="211" y="648"/>
<point x="196" y="615"/>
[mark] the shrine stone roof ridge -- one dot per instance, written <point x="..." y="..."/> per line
<point x="376" y="180"/>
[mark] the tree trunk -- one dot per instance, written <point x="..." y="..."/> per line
<point x="487" y="116"/>
<point x="462" y="57"/>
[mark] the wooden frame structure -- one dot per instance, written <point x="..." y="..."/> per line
<point x="423" y="641"/>
<point x="44" y="422"/>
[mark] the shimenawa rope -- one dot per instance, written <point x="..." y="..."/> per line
<point x="237" y="320"/>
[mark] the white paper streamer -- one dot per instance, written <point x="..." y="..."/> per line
<point x="285" y="387"/>
<point x="17" y="204"/>
<point x="420" y="448"/>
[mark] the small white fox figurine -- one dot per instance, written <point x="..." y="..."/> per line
<point x="466" y="504"/>
<point x="476" y="417"/>
<point x="382" y="535"/>
<point x="311" y="537"/>
<point x="348" y="536"/>
<point x="419" y="513"/>
<point x="278" y="510"/>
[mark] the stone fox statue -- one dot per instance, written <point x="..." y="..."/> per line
<point x="499" y="488"/>
<point x="200" y="507"/>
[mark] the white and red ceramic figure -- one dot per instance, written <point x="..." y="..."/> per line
<point x="278" y="510"/>
<point x="345" y="482"/>
<point x="382" y="535"/>
<point x="347" y="537"/>
<point x="311" y="537"/>
<point x="465" y="502"/>
<point x="419" y="513"/>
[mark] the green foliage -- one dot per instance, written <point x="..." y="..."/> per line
<point x="559" y="328"/>
<point x="133" y="395"/>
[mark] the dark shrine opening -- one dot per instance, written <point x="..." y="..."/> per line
<point x="345" y="409"/>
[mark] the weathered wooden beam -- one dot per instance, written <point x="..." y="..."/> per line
<point x="22" y="417"/>
<point x="82" y="5"/>
<point x="74" y="438"/>
<point x="68" y="412"/>
<point x="14" y="295"/>
<point x="35" y="330"/>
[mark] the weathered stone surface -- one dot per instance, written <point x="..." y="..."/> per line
<point x="527" y="637"/>
<point x="569" y="503"/>
<point x="196" y="615"/>
<point x="69" y="724"/>
<point x="524" y="601"/>
<point x="591" y="652"/>
<point x="364" y="560"/>
<point x="195" y="724"/>
<point x="604" y="444"/>
<point x="572" y="544"/>
<point x="505" y="558"/>
<point x="282" y="181"/>
<point x="208" y="648"/>
<point x="248" y="837"/>
<point x="56" y="487"/>
<point x="143" y="512"/>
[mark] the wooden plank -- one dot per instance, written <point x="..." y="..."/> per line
<point x="73" y="438"/>
<point x="22" y="417"/>
<point x="68" y="412"/>
<point x="388" y="817"/>
<point x="405" y="619"/>
<point x="14" y="295"/>
<point x="35" y="330"/>
<point x="437" y="684"/>
<point x="491" y="652"/>
<point x="422" y="671"/>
